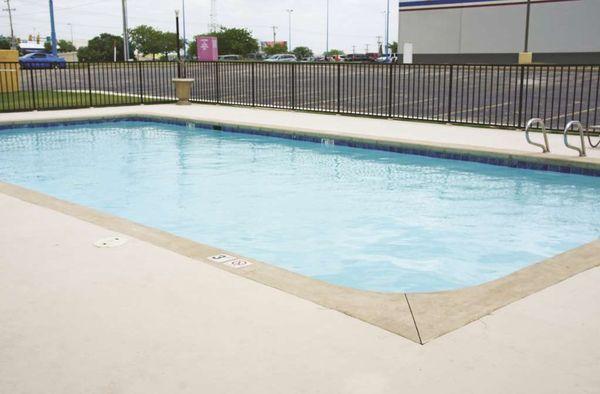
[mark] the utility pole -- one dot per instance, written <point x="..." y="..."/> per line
<point x="71" y="27"/>
<point x="387" y="28"/>
<point x="379" y="44"/>
<point x="327" y="30"/>
<point x="289" y="11"/>
<point x="13" y="42"/>
<point x="213" y="16"/>
<point x="274" y="34"/>
<point x="125" y="32"/>
<point x="52" y="28"/>
<point x="366" y="48"/>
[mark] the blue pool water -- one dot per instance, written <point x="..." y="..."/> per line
<point x="362" y="218"/>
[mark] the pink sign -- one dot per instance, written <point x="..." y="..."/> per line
<point x="207" y="48"/>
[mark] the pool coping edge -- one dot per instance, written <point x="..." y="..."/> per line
<point x="501" y="157"/>
<point x="420" y="317"/>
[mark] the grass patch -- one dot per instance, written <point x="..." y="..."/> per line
<point x="48" y="99"/>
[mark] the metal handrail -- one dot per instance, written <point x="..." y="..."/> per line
<point x="576" y="124"/>
<point x="537" y="122"/>
<point x="596" y="127"/>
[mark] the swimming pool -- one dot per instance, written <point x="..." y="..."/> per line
<point x="361" y="218"/>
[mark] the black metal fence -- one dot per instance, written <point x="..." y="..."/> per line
<point x="494" y="95"/>
<point x="81" y="85"/>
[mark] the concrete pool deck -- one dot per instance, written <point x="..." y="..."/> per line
<point x="141" y="319"/>
<point x="484" y="139"/>
<point x="434" y="317"/>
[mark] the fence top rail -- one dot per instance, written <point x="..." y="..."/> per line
<point x="333" y="64"/>
<point x="109" y="62"/>
<point x="545" y="65"/>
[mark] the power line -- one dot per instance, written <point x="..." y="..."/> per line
<point x="59" y="8"/>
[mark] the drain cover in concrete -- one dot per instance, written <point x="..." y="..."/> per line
<point x="110" y="242"/>
<point x="221" y="258"/>
<point x="237" y="263"/>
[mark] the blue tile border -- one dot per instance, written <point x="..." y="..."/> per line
<point x="382" y="146"/>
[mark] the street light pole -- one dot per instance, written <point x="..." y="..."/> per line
<point x="289" y="11"/>
<point x="327" y="31"/>
<point x="387" y="28"/>
<point x="178" y="44"/>
<point x="125" y="32"/>
<point x="183" y="24"/>
<point x="177" y="34"/>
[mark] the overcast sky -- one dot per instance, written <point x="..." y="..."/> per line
<point x="352" y="22"/>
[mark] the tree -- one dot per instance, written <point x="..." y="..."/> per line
<point x="334" y="52"/>
<point x="394" y="47"/>
<point x="65" y="46"/>
<point x="275" y="49"/>
<point x="4" y="42"/>
<point x="231" y="42"/>
<point x="147" y="40"/>
<point x="101" y="49"/>
<point x="61" y="46"/>
<point x="168" y="43"/>
<point x="302" y="52"/>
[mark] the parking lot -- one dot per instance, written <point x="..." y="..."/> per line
<point x="502" y="95"/>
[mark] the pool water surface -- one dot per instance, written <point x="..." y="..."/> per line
<point x="361" y="218"/>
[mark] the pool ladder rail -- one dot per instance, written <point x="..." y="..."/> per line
<point x="537" y="122"/>
<point x="574" y="124"/>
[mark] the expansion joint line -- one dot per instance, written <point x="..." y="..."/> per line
<point x="413" y="318"/>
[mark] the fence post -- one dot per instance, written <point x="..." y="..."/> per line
<point x="293" y="86"/>
<point x="253" y="84"/>
<point x="140" y="81"/>
<point x="33" y="94"/>
<point x="521" y="86"/>
<point x="450" y="93"/>
<point x="390" y="88"/>
<point x="339" y="84"/>
<point x="90" y="84"/>
<point x="217" y="80"/>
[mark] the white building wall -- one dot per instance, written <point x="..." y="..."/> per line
<point x="566" y="27"/>
<point x="572" y="26"/>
